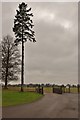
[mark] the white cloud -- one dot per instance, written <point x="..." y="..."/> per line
<point x="44" y="15"/>
<point x="66" y="24"/>
<point x="52" y="18"/>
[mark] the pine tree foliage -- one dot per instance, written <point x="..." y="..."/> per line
<point x="23" y="24"/>
<point x="10" y="60"/>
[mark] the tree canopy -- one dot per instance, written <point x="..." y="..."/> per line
<point x="10" y="60"/>
<point x="23" y="24"/>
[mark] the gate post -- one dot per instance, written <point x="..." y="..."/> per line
<point x="39" y="88"/>
<point x="42" y="89"/>
<point x="53" y="89"/>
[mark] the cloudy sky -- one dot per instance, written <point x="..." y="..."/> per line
<point x="54" y="57"/>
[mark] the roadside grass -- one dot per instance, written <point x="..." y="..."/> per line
<point x="13" y="96"/>
<point x="10" y="98"/>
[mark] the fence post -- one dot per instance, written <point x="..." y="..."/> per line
<point x="39" y="88"/>
<point x="42" y="89"/>
<point x="53" y="88"/>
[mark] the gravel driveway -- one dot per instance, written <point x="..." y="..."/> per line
<point x="50" y="106"/>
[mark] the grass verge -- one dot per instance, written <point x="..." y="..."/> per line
<point x="10" y="98"/>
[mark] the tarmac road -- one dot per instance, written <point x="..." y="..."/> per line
<point x="50" y="106"/>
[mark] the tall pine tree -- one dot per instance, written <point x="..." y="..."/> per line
<point x="23" y="26"/>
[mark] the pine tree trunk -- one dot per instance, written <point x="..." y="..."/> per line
<point x="22" y="73"/>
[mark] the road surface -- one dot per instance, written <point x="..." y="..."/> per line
<point x="50" y="106"/>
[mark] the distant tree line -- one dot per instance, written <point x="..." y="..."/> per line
<point x="42" y="85"/>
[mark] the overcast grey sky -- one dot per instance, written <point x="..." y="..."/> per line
<point x="54" y="57"/>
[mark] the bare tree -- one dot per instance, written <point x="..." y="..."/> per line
<point x="10" y="60"/>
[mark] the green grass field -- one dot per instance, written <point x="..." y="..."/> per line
<point x="26" y="89"/>
<point x="13" y="96"/>
<point x="10" y="98"/>
<point x="72" y="90"/>
<point x="48" y="89"/>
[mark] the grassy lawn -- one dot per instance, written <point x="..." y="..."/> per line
<point x="10" y="98"/>
<point x="74" y="90"/>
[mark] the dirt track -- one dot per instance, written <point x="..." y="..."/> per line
<point x="50" y="106"/>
